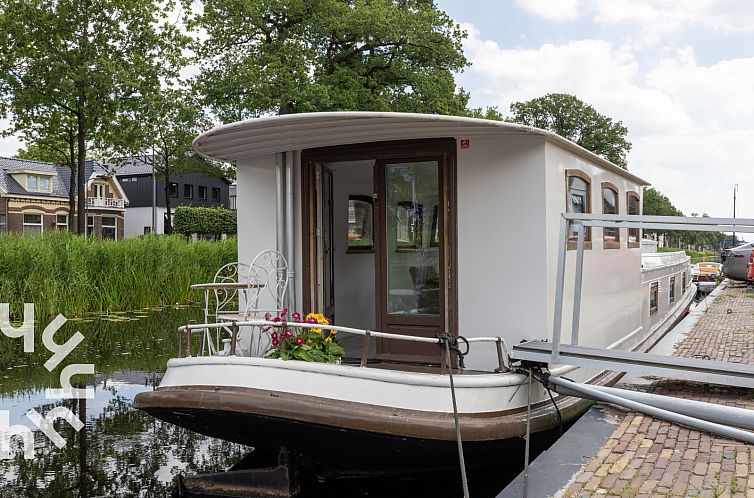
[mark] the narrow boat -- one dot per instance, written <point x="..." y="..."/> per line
<point x="402" y="228"/>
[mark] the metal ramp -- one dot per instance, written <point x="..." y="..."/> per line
<point x="696" y="369"/>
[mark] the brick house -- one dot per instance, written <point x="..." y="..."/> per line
<point x="34" y="198"/>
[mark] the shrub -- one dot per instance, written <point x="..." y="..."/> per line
<point x="215" y="221"/>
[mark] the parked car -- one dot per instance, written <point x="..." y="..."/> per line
<point x="736" y="260"/>
<point x="750" y="268"/>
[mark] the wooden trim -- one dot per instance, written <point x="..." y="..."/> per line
<point x="633" y="245"/>
<point x="571" y="244"/>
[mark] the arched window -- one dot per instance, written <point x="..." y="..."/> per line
<point x="578" y="200"/>
<point x="633" y="206"/>
<point x="610" y="235"/>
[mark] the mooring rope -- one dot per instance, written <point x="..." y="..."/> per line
<point x="462" y="461"/>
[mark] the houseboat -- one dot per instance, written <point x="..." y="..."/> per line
<point x="416" y="226"/>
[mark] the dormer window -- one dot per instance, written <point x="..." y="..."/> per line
<point x="38" y="183"/>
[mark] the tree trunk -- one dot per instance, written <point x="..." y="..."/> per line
<point x="81" y="136"/>
<point x="72" y="182"/>
<point x="168" y="215"/>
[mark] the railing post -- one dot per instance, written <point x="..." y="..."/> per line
<point x="188" y="341"/>
<point x="499" y="346"/>
<point x="559" y="282"/>
<point x="581" y="236"/>
<point x="365" y="349"/>
<point x="180" y="344"/>
<point x="233" y="338"/>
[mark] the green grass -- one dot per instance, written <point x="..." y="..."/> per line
<point x="63" y="273"/>
<point x="689" y="252"/>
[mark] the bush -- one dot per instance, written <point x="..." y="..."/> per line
<point x="63" y="273"/>
<point x="216" y="221"/>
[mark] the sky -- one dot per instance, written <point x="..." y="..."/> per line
<point x="678" y="73"/>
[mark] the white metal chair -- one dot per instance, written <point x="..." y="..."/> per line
<point x="266" y="284"/>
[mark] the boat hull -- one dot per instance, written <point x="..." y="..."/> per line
<point x="339" y="438"/>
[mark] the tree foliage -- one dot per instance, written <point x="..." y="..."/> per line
<point x="577" y="121"/>
<point x="275" y="56"/>
<point x="80" y="61"/>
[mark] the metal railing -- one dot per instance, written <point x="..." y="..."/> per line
<point x="581" y="220"/>
<point x="184" y="338"/>
<point x="105" y="202"/>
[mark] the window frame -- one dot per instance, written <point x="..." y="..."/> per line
<point x="190" y="188"/>
<point x="37" y="179"/>
<point x="61" y="226"/>
<point x="199" y="193"/>
<point x="114" y="226"/>
<point x="683" y="282"/>
<point x="89" y="230"/>
<point x="219" y="194"/>
<point x="571" y="244"/>
<point x="654" y="292"/>
<point x="40" y="224"/>
<point x="637" y="231"/>
<point x="671" y="290"/>
<point x="361" y="249"/>
<point x="173" y="192"/>
<point x="3" y="223"/>
<point x="610" y="244"/>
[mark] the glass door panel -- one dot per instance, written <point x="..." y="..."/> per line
<point x="413" y="238"/>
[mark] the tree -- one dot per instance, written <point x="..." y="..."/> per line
<point x="577" y="121"/>
<point x="276" y="56"/>
<point x="160" y="132"/>
<point x="84" y="59"/>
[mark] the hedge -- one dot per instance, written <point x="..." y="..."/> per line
<point x="217" y="221"/>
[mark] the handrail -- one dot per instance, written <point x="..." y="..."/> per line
<point x="366" y="333"/>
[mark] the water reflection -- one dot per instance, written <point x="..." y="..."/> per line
<point x="121" y="451"/>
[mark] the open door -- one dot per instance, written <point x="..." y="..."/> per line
<point x="411" y="262"/>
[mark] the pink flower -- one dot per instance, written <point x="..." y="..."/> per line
<point x="283" y="312"/>
<point x="274" y="336"/>
<point x="274" y="342"/>
<point x="287" y="334"/>
<point x="311" y="320"/>
<point x="267" y="316"/>
<point x="277" y="319"/>
<point x="299" y="340"/>
<point x="296" y="316"/>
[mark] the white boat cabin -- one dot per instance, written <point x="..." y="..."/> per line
<point x="421" y="224"/>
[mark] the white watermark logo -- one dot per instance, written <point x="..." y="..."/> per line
<point x="66" y="391"/>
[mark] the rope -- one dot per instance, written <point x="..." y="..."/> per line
<point x="444" y="338"/>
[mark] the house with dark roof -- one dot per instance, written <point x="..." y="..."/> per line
<point x="144" y="189"/>
<point x="34" y="198"/>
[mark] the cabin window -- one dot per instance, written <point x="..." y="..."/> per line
<point x="215" y="194"/>
<point x="360" y="224"/>
<point x="32" y="224"/>
<point x="109" y="227"/>
<point x="610" y="235"/>
<point x="188" y="191"/>
<point x="3" y="223"/>
<point x="653" y="292"/>
<point x="61" y="222"/>
<point x="202" y="193"/>
<point x="38" y="183"/>
<point x="578" y="200"/>
<point x="173" y="189"/>
<point x="671" y="295"/>
<point x="633" y="207"/>
<point x="683" y="282"/>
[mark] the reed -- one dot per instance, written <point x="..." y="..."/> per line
<point x="62" y="273"/>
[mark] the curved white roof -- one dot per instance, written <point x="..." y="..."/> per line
<point x="267" y="135"/>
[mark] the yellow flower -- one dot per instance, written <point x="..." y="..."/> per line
<point x="328" y="340"/>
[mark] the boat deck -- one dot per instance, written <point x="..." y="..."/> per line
<point x="648" y="457"/>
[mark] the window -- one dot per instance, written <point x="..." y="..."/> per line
<point x="3" y="223"/>
<point x="215" y="194"/>
<point x="653" y="291"/>
<point x="147" y="230"/>
<point x="202" y="193"/>
<point x="360" y="223"/>
<point x="61" y="222"/>
<point x="578" y="200"/>
<point x="671" y="292"/>
<point x="90" y="226"/>
<point x="610" y="235"/>
<point x="188" y="191"/>
<point x="109" y="227"/>
<point x="38" y="183"/>
<point x="32" y="224"/>
<point x="634" y="234"/>
<point x="683" y="283"/>
<point x="173" y="188"/>
<point x="99" y="191"/>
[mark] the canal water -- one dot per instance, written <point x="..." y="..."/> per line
<point x="124" y="452"/>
